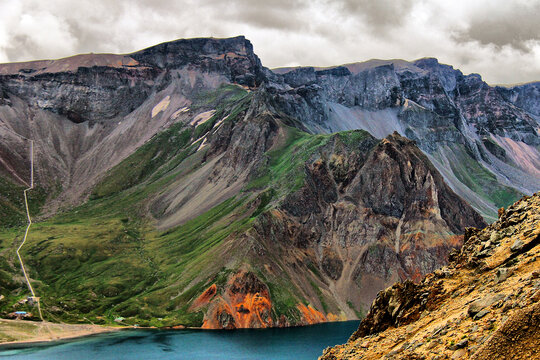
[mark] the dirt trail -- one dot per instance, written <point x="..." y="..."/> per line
<point x="31" y="186"/>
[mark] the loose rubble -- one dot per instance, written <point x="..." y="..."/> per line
<point x="484" y="305"/>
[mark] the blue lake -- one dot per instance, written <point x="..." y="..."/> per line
<point x="292" y="343"/>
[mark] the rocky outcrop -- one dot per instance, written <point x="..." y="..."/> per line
<point x="243" y="303"/>
<point x="484" y="304"/>
<point x="526" y="97"/>
<point x="101" y="87"/>
<point x="84" y="94"/>
<point x="369" y="213"/>
<point x="233" y="57"/>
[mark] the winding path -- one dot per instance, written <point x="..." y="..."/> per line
<point x="34" y="297"/>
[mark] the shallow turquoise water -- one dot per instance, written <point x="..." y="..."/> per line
<point x="293" y="343"/>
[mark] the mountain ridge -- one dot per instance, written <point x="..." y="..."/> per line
<point x="194" y="190"/>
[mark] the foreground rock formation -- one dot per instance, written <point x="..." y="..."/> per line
<point x="484" y="305"/>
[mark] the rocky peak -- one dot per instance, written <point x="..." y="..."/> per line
<point x="97" y="87"/>
<point x="462" y="123"/>
<point x="447" y="74"/>
<point x="233" y="56"/>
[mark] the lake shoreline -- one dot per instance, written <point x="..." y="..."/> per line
<point x="64" y="332"/>
<point x="127" y="343"/>
<point x="36" y="332"/>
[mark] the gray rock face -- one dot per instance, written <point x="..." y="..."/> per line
<point x="86" y="94"/>
<point x="383" y="190"/>
<point x="83" y="91"/>
<point x="483" y="139"/>
<point x="88" y="112"/>
<point x="483" y="303"/>
<point x="526" y="96"/>
<point x="233" y="57"/>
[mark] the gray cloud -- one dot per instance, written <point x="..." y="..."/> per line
<point x="289" y="32"/>
<point x="516" y="25"/>
<point x="279" y="14"/>
<point x="381" y="14"/>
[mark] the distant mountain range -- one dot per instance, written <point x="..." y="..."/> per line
<point x="188" y="184"/>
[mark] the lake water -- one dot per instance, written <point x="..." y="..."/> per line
<point x="292" y="343"/>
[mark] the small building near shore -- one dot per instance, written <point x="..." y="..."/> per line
<point x="19" y="315"/>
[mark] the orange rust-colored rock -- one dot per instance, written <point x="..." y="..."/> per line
<point x="205" y="297"/>
<point x="245" y="303"/>
<point x="333" y="317"/>
<point x="219" y="316"/>
<point x="310" y="315"/>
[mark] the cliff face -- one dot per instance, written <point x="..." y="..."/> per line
<point x="88" y="112"/>
<point x="100" y="87"/>
<point x="484" y="304"/>
<point x="476" y="135"/>
<point x="523" y="96"/>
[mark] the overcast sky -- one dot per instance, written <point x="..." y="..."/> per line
<point x="500" y="39"/>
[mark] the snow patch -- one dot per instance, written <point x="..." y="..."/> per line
<point x="216" y="125"/>
<point x="203" y="144"/>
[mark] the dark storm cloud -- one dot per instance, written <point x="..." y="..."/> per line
<point x="516" y="25"/>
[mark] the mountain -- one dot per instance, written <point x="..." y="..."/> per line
<point x="484" y="140"/>
<point x="186" y="184"/>
<point x="485" y="304"/>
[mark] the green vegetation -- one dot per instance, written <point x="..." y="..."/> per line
<point x="285" y="169"/>
<point x="314" y="270"/>
<point x="284" y="302"/>
<point x="285" y="172"/>
<point x="99" y="269"/>
<point x="319" y="295"/>
<point x="12" y="208"/>
<point x="480" y="180"/>
<point x="144" y="161"/>
<point x="105" y="258"/>
<point x="168" y="149"/>
<point x="224" y="93"/>
<point x="359" y="313"/>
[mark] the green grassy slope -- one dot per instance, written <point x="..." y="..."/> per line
<point x="480" y="180"/>
<point x="105" y="259"/>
